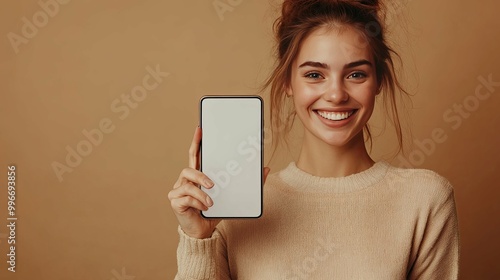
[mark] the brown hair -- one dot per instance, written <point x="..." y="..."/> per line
<point x="298" y="19"/>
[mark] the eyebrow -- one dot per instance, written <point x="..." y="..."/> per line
<point x="326" y="66"/>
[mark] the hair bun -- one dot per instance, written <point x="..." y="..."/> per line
<point x="373" y="3"/>
<point x="293" y="8"/>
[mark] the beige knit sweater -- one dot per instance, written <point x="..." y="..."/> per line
<point x="382" y="223"/>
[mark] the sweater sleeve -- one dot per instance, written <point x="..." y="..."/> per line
<point x="438" y="253"/>
<point x="202" y="259"/>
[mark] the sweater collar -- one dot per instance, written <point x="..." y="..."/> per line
<point x="302" y="181"/>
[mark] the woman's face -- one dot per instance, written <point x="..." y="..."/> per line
<point x="334" y="85"/>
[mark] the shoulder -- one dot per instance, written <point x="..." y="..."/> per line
<point x="420" y="184"/>
<point x="419" y="175"/>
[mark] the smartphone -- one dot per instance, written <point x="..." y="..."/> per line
<point x="231" y="154"/>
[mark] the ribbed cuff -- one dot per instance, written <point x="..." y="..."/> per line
<point x="196" y="257"/>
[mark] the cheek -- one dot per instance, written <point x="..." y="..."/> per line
<point x="304" y="94"/>
<point x="366" y="96"/>
<point x="301" y="104"/>
<point x="302" y="100"/>
<point x="369" y="104"/>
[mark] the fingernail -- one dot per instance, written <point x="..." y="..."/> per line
<point x="209" y="183"/>
<point x="209" y="201"/>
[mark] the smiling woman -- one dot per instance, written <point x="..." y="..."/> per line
<point x="371" y="220"/>
<point x="333" y="88"/>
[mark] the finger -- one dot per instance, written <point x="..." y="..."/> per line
<point x="194" y="176"/>
<point x="266" y="172"/>
<point x="183" y="204"/>
<point x="194" y="149"/>
<point x="191" y="190"/>
<point x="180" y="181"/>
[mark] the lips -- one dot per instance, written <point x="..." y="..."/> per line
<point x="335" y="115"/>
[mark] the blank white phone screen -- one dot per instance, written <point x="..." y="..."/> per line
<point x="231" y="155"/>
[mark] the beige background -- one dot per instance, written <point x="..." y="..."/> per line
<point x="112" y="213"/>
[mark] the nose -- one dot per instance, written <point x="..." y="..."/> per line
<point x="336" y="92"/>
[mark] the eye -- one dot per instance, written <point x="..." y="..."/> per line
<point x="313" y="75"/>
<point x="357" y="75"/>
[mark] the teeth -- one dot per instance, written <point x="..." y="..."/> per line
<point x="335" y="116"/>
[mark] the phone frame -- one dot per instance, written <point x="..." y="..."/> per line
<point x="261" y="147"/>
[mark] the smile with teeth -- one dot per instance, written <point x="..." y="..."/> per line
<point x="335" y="116"/>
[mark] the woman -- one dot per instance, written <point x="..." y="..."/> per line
<point x="334" y="213"/>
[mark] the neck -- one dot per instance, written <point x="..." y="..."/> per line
<point x="323" y="160"/>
